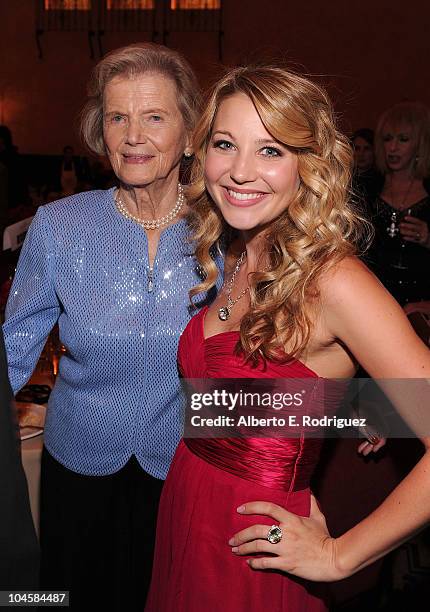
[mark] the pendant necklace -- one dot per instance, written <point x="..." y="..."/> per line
<point x="396" y="214"/>
<point x="225" y="311"/>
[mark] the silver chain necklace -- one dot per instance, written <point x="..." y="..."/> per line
<point x="153" y="223"/>
<point x="225" y="311"/>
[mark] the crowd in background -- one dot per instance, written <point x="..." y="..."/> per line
<point x="28" y="181"/>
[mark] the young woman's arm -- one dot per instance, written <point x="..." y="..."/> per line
<point x="358" y="311"/>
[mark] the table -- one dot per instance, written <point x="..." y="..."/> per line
<point x="14" y="235"/>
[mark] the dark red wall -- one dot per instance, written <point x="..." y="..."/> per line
<point x="370" y="53"/>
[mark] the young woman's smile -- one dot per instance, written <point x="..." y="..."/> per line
<point x="249" y="174"/>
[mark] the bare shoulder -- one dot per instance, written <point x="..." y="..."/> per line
<point x="358" y="310"/>
<point x="350" y="279"/>
<point x="350" y="290"/>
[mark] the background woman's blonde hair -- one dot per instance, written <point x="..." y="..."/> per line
<point x="129" y="62"/>
<point x="317" y="229"/>
<point x="416" y="117"/>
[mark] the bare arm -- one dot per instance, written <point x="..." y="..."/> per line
<point x="358" y="311"/>
<point x="362" y="314"/>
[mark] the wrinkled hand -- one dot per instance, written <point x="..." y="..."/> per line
<point x="306" y="548"/>
<point x="414" y="230"/>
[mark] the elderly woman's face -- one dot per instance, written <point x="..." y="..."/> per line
<point x="143" y="129"/>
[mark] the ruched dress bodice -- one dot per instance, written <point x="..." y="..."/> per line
<point x="280" y="463"/>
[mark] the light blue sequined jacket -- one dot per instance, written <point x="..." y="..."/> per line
<point x="117" y="393"/>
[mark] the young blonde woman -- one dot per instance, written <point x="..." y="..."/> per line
<point x="238" y="528"/>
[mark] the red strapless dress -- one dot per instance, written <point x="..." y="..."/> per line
<point x="194" y="568"/>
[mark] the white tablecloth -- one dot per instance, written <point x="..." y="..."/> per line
<point x="14" y="235"/>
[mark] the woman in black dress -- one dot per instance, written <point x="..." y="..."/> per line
<point x="400" y="255"/>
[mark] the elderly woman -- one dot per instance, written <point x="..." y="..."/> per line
<point x="113" y="268"/>
<point x="401" y="211"/>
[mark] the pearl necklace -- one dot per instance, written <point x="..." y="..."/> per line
<point x="225" y="311"/>
<point x="153" y="223"/>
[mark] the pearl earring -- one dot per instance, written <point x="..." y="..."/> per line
<point x="187" y="153"/>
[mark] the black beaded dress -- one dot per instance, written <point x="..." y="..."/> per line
<point x="403" y="267"/>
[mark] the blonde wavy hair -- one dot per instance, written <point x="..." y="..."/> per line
<point x="318" y="228"/>
<point x="415" y="115"/>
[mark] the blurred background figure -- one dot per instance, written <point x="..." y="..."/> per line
<point x="367" y="181"/>
<point x="12" y="184"/>
<point x="73" y="173"/>
<point x="4" y="204"/>
<point x="19" y="551"/>
<point x="400" y="254"/>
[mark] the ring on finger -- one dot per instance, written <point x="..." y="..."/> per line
<point x="274" y="535"/>
<point x="372" y="438"/>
